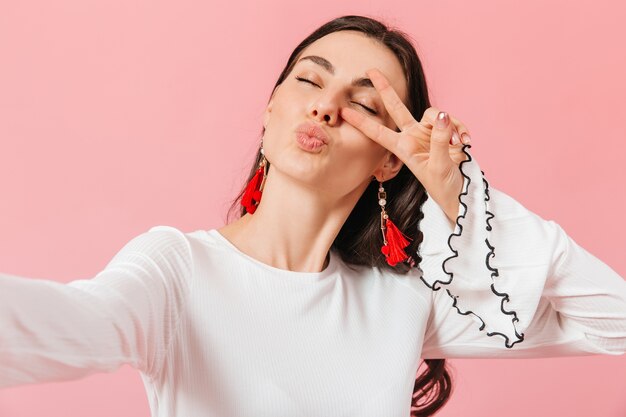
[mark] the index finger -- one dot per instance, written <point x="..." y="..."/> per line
<point x="395" y="107"/>
<point x="371" y="128"/>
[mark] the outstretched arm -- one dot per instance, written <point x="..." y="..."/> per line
<point x="126" y="314"/>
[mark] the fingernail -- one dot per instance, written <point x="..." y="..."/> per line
<point x="455" y="138"/>
<point x="442" y="119"/>
<point x="466" y="138"/>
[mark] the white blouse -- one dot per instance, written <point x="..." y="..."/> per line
<point x="214" y="332"/>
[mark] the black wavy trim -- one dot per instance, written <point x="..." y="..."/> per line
<point x="505" y="296"/>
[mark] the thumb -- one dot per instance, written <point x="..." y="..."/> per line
<point x="440" y="140"/>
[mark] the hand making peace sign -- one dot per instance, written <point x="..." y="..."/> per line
<point x="424" y="147"/>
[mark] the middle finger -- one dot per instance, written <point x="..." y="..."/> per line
<point x="395" y="107"/>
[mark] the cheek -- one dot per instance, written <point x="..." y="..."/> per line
<point x="284" y="119"/>
<point x="287" y="103"/>
<point x="362" y="146"/>
<point x="281" y="123"/>
<point x="357" y="154"/>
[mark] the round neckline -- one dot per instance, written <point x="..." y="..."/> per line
<point x="297" y="275"/>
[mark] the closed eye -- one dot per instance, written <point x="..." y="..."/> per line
<point x="372" y="111"/>
<point x="306" y="81"/>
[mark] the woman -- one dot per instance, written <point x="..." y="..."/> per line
<point x="367" y="240"/>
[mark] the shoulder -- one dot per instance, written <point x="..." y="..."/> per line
<point x="167" y="246"/>
<point x="158" y="239"/>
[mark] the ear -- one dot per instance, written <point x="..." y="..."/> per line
<point x="389" y="168"/>
<point x="268" y="109"/>
<point x="266" y="113"/>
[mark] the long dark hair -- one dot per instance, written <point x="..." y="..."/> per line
<point x="359" y="239"/>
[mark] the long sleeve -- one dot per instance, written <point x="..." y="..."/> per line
<point x="507" y="283"/>
<point x="126" y="314"/>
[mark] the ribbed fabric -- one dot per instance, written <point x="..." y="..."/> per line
<point x="214" y="332"/>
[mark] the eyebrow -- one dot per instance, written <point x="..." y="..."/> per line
<point x="324" y="63"/>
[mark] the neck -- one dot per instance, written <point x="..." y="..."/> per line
<point x="293" y="226"/>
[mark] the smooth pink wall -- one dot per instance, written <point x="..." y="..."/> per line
<point x="116" y="116"/>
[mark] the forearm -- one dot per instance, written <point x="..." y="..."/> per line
<point x="449" y="201"/>
<point x="451" y="205"/>
<point x="452" y="213"/>
<point x="51" y="332"/>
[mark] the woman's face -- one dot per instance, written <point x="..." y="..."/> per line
<point x="350" y="158"/>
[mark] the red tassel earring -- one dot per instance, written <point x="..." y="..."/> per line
<point x="254" y="190"/>
<point x="394" y="240"/>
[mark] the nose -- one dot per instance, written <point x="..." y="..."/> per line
<point x="325" y="109"/>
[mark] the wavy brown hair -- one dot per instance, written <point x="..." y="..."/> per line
<point x="359" y="239"/>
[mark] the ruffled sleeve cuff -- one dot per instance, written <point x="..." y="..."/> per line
<point x="488" y="256"/>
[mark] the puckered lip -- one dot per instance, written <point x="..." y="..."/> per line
<point x="313" y="130"/>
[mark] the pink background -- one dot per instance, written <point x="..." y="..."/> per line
<point x="116" y="116"/>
